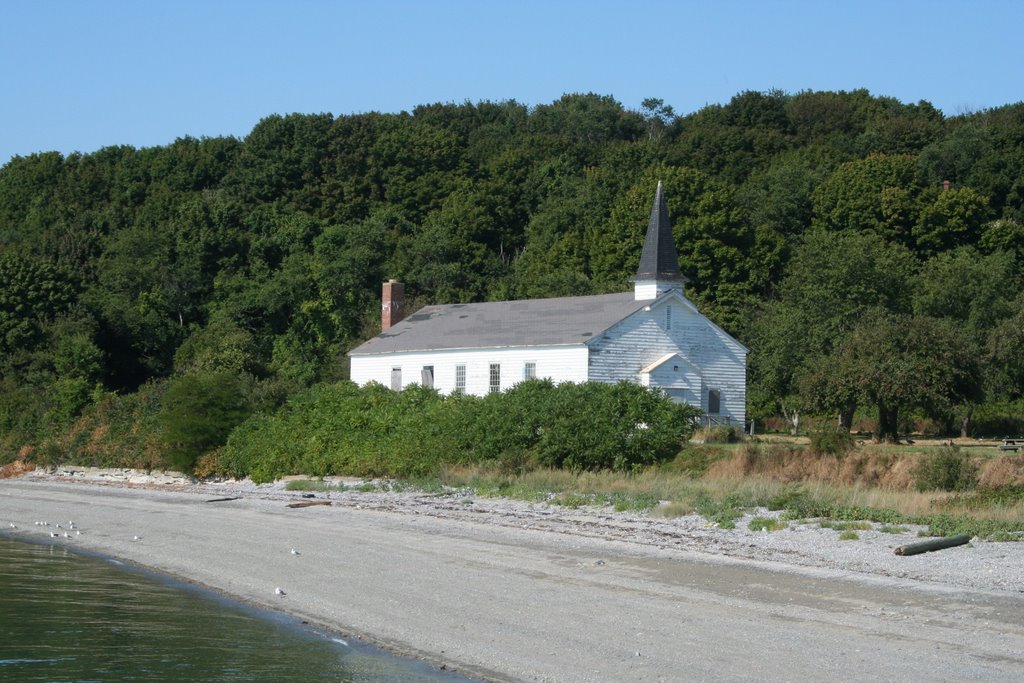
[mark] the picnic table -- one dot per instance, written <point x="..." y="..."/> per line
<point x="1011" y="445"/>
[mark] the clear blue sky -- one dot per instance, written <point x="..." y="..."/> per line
<point x="81" y="75"/>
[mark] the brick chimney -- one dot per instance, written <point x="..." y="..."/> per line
<point x="392" y="308"/>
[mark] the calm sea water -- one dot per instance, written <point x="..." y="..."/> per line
<point x="71" y="617"/>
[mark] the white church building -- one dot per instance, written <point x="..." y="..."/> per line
<point x="653" y="335"/>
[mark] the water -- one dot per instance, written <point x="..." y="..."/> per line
<point x="71" y="617"/>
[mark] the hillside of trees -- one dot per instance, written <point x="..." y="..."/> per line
<point x="869" y="253"/>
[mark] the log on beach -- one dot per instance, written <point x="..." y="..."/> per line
<point x="309" y="503"/>
<point x="935" y="544"/>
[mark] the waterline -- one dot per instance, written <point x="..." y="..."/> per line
<point x="72" y="616"/>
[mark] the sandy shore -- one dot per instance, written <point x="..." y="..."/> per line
<point x="502" y="590"/>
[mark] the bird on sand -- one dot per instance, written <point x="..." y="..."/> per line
<point x="279" y="591"/>
<point x="136" y="538"/>
<point x="295" y="552"/>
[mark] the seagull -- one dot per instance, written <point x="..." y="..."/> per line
<point x="78" y="532"/>
<point x="295" y="552"/>
<point x="53" y="534"/>
<point x="12" y="525"/>
<point x="279" y="591"/>
<point x="67" y="535"/>
<point x="136" y="538"/>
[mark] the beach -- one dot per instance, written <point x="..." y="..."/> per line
<point x="512" y="591"/>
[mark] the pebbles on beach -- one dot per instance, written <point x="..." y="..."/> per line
<point x="981" y="564"/>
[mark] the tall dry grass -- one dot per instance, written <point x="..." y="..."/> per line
<point x="752" y="475"/>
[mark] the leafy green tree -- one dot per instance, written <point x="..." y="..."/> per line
<point x="658" y="116"/>
<point x="220" y="346"/>
<point x="1004" y="354"/>
<point x="834" y="281"/>
<point x="198" y="413"/>
<point x="878" y="194"/>
<point x="955" y="218"/>
<point x="1003" y="235"/>
<point x="896" y="363"/>
<point x="32" y="292"/>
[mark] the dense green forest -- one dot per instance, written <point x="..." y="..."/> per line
<point x="868" y="252"/>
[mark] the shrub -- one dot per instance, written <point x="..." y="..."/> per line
<point x="693" y="460"/>
<point x="946" y="470"/>
<point x="720" y="434"/>
<point x="198" y="413"/>
<point x="831" y="441"/>
<point x="373" y="431"/>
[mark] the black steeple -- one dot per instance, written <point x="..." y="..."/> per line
<point x="659" y="261"/>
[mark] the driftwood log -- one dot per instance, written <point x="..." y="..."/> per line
<point x="221" y="500"/>
<point x="309" y="503"/>
<point x="934" y="544"/>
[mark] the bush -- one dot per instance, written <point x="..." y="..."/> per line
<point x="946" y="470"/>
<point x="373" y="431"/>
<point x="720" y="434"/>
<point x="831" y="441"/>
<point x="694" y="460"/>
<point x="998" y="420"/>
<point x="198" y="413"/>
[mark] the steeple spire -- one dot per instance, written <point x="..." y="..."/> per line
<point x="659" y="261"/>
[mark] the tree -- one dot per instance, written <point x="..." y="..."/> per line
<point x="199" y="411"/>
<point x="953" y="219"/>
<point x="834" y="280"/>
<point x="878" y="194"/>
<point x="32" y="292"/>
<point x="658" y="115"/>
<point x="1004" y="354"/>
<point x="896" y="363"/>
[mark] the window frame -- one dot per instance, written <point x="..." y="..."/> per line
<point x="460" y="378"/>
<point x="494" y="378"/>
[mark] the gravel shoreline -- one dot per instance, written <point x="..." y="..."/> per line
<point x="979" y="565"/>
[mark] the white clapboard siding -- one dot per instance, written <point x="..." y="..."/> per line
<point x="567" y="363"/>
<point x="624" y="350"/>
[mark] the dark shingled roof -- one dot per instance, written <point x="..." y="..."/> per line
<point x="659" y="260"/>
<point x="531" y="322"/>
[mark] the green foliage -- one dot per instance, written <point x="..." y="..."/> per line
<point x="723" y="512"/>
<point x="767" y="523"/>
<point x="832" y="441"/>
<point x="197" y="415"/>
<point x="795" y="216"/>
<point x="897" y="363"/>
<point x="946" y="470"/>
<point x="693" y="460"/>
<point x="372" y="431"/>
<point x="848" y="535"/>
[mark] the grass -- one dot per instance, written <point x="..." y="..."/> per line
<point x="849" y="535"/>
<point x="309" y="485"/>
<point x="845" y="526"/>
<point x="722" y="501"/>
<point x="767" y="523"/>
